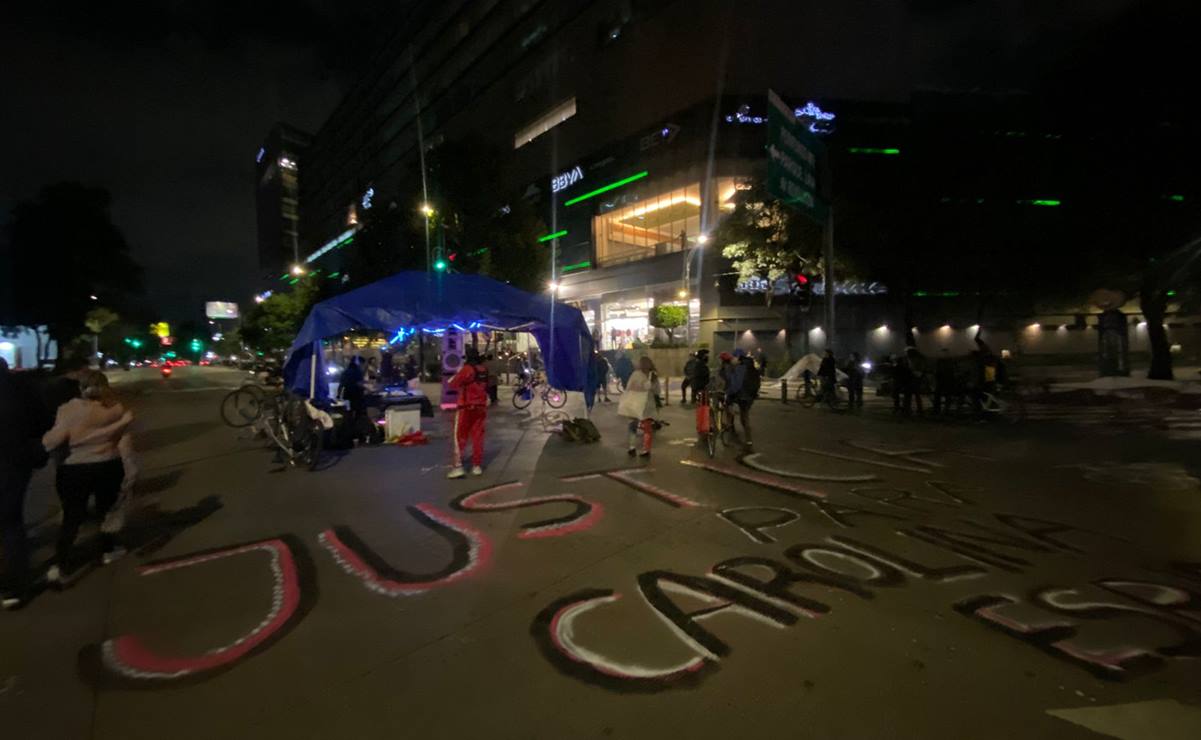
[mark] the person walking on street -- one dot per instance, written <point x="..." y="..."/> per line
<point x="742" y="388"/>
<point x="699" y="378"/>
<point x="854" y="371"/>
<point x="602" y="377"/>
<point x="471" y="416"/>
<point x="944" y="381"/>
<point x="689" y="367"/>
<point x="95" y="430"/>
<point x="640" y="404"/>
<point x="915" y="378"/>
<point x="21" y="452"/>
<point x="623" y="368"/>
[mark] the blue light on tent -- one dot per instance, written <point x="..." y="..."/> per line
<point x="460" y="327"/>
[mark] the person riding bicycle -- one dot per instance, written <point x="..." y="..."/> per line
<point x="827" y="373"/>
<point x="472" y="383"/>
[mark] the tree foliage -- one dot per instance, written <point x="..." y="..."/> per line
<point x="669" y="318"/>
<point x="62" y="249"/>
<point x="765" y="239"/>
<point x="271" y="326"/>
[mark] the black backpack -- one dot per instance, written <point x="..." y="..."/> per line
<point x="752" y="381"/>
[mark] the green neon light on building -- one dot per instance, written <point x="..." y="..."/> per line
<point x="555" y="235"/>
<point x="284" y="276"/>
<point x="890" y="151"/>
<point x="334" y="274"/>
<point x="1176" y="198"/>
<point x="293" y="281"/>
<point x="607" y="188"/>
<point x="1049" y="202"/>
<point x="577" y="266"/>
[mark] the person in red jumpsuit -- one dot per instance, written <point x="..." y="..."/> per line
<point x="472" y="383"/>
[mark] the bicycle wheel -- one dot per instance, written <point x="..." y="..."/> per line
<point x="242" y="407"/>
<point x="522" y="396"/>
<point x="555" y="398"/>
<point x="309" y="442"/>
<point x="807" y="400"/>
<point x="714" y="431"/>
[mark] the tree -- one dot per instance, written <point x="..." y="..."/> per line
<point x="63" y="249"/>
<point x="669" y="318"/>
<point x="271" y="326"/>
<point x="765" y="239"/>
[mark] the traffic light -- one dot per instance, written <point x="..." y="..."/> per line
<point x="440" y="265"/>
<point x="801" y="291"/>
<point x="196" y="345"/>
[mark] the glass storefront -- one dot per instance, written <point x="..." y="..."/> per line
<point x="661" y="224"/>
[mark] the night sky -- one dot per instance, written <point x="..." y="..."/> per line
<point x="165" y="103"/>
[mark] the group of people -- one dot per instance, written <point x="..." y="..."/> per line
<point x="737" y="380"/>
<point x="75" y="420"/>
<point x="955" y="380"/>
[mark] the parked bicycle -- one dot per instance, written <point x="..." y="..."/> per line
<point x="293" y="424"/>
<point x="525" y="391"/>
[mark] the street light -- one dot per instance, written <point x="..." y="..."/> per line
<point x="681" y="294"/>
<point x="702" y="239"/>
<point x="427" y="210"/>
<point x="552" y="286"/>
<point x="297" y="270"/>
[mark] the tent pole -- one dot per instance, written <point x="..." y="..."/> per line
<point x="313" y="376"/>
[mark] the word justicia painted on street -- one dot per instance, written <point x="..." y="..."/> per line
<point x="566" y="179"/>
<point x="783" y="285"/>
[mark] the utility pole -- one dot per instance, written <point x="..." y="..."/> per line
<point x="828" y="258"/>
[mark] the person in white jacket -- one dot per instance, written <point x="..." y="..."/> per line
<point x="95" y="428"/>
<point x="640" y="404"/>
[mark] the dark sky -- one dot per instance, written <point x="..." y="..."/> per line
<point x="165" y="102"/>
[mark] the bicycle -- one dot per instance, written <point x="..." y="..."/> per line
<point x="244" y="406"/>
<point x="524" y="393"/>
<point x="291" y="423"/>
<point x="834" y="395"/>
<point x="718" y="429"/>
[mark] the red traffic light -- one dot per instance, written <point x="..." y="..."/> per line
<point x="452" y="256"/>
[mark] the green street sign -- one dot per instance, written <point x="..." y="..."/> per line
<point x="792" y="160"/>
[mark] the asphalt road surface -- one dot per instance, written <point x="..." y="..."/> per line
<point x="859" y="577"/>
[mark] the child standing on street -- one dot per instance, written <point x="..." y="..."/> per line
<point x="472" y="384"/>
<point x="640" y="404"/>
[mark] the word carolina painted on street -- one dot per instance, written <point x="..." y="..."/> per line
<point x="1067" y="622"/>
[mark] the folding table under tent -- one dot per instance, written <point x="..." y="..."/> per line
<point x="434" y="303"/>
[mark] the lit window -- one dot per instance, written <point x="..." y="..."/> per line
<point x="656" y="225"/>
<point x="544" y="123"/>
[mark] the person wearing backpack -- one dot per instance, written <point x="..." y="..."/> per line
<point x="472" y="383"/>
<point x="689" y="369"/>
<point x="742" y="388"/>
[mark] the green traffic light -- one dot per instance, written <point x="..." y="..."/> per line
<point x="440" y="265"/>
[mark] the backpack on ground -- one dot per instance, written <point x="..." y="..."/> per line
<point x="580" y="430"/>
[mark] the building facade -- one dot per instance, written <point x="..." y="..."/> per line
<point x="632" y="125"/>
<point x="277" y="199"/>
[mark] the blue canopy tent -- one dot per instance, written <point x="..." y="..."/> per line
<point x="411" y="302"/>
